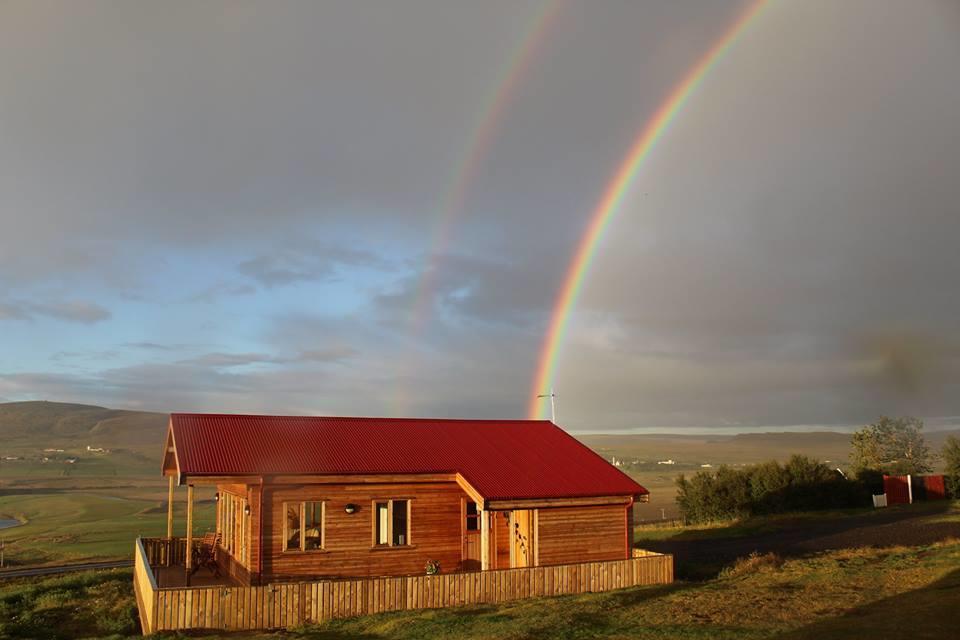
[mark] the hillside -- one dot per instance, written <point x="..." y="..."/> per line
<point x="747" y="448"/>
<point x="28" y="424"/>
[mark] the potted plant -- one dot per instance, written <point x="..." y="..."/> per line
<point x="432" y="567"/>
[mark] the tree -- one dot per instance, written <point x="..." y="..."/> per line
<point x="893" y="446"/>
<point x="951" y="463"/>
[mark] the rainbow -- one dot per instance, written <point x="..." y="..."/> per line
<point x="612" y="200"/>
<point x="452" y="203"/>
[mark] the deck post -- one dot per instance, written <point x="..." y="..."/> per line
<point x="170" y="510"/>
<point x="484" y="540"/>
<point x="188" y="560"/>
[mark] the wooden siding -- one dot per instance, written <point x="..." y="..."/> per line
<point x="287" y="605"/>
<point x="435" y="530"/>
<point x="581" y="534"/>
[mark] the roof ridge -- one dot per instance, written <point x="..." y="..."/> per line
<point x="383" y="418"/>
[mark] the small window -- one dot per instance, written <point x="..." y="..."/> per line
<point x="292" y="537"/>
<point x="382" y="516"/>
<point x="312" y="526"/>
<point x="391" y="523"/>
<point x="400" y="523"/>
<point x="303" y="526"/>
<point x="473" y="517"/>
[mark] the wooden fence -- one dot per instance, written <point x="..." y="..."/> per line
<point x="286" y="605"/>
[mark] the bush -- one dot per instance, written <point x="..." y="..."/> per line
<point x="753" y="563"/>
<point x="802" y="484"/>
<point x="951" y="462"/>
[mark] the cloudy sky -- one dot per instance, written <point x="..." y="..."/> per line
<point x="234" y="206"/>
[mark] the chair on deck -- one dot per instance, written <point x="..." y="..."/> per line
<point x="206" y="554"/>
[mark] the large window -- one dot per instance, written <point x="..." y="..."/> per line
<point x="303" y="526"/>
<point x="391" y="523"/>
<point x="233" y="525"/>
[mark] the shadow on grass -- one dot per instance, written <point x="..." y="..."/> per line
<point x="699" y="558"/>
<point x="928" y="612"/>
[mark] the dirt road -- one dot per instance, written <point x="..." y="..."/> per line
<point x="700" y="554"/>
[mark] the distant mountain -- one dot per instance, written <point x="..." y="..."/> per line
<point x="62" y="424"/>
<point x="743" y="448"/>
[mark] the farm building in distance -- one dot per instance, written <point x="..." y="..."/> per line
<point x="335" y="497"/>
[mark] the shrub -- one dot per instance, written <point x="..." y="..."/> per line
<point x="802" y="484"/>
<point x="753" y="563"/>
<point x="951" y="462"/>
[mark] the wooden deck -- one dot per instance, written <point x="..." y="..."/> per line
<point x="287" y="605"/>
<point x="177" y="577"/>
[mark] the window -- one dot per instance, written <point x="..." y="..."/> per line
<point x="312" y="526"/>
<point x="303" y="526"/>
<point x="233" y="525"/>
<point x="391" y="523"/>
<point x="382" y="523"/>
<point x="473" y="517"/>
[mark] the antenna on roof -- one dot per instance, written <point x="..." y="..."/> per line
<point x="553" y="404"/>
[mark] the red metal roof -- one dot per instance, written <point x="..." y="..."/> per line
<point x="501" y="459"/>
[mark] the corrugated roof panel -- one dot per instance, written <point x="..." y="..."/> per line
<point x="502" y="459"/>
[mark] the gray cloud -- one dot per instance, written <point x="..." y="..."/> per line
<point x="223" y="360"/>
<point x="79" y="311"/>
<point x="785" y="254"/>
<point x="215" y="291"/>
<point x="305" y="264"/>
<point x="152" y="346"/>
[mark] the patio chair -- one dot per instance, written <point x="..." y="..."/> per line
<point x="206" y="554"/>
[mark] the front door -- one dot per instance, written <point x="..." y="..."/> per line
<point x="521" y="538"/>
<point x="471" y="536"/>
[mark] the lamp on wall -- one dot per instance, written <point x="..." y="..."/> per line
<point x="350" y="508"/>
<point x="216" y="497"/>
<point x="246" y="510"/>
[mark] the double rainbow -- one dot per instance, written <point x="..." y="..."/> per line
<point x="611" y="203"/>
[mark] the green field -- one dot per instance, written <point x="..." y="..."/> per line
<point x="890" y="592"/>
<point x="75" y="526"/>
<point x="95" y="506"/>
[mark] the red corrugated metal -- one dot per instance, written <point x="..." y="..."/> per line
<point x="502" y="459"/>
<point x="935" y="487"/>
<point x="896" y="489"/>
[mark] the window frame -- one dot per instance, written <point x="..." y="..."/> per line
<point x="301" y="506"/>
<point x="373" y="524"/>
<point x="471" y="518"/>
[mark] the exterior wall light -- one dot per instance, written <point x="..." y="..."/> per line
<point x="216" y="497"/>
<point x="350" y="508"/>
<point x="246" y="510"/>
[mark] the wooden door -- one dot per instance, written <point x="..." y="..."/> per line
<point x="471" y="536"/>
<point x="522" y="538"/>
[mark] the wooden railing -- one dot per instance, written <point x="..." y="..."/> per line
<point x="166" y="552"/>
<point x="145" y="587"/>
<point x="286" y="605"/>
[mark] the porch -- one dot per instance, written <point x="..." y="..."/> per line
<point x="226" y="605"/>
<point x="166" y="558"/>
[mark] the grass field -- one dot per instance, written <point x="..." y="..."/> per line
<point x="891" y="592"/>
<point x="76" y="525"/>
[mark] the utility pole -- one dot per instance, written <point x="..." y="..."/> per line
<point x="553" y="404"/>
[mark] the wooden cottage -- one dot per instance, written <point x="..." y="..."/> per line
<point x="303" y="498"/>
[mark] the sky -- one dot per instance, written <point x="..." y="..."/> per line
<point x="235" y="207"/>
